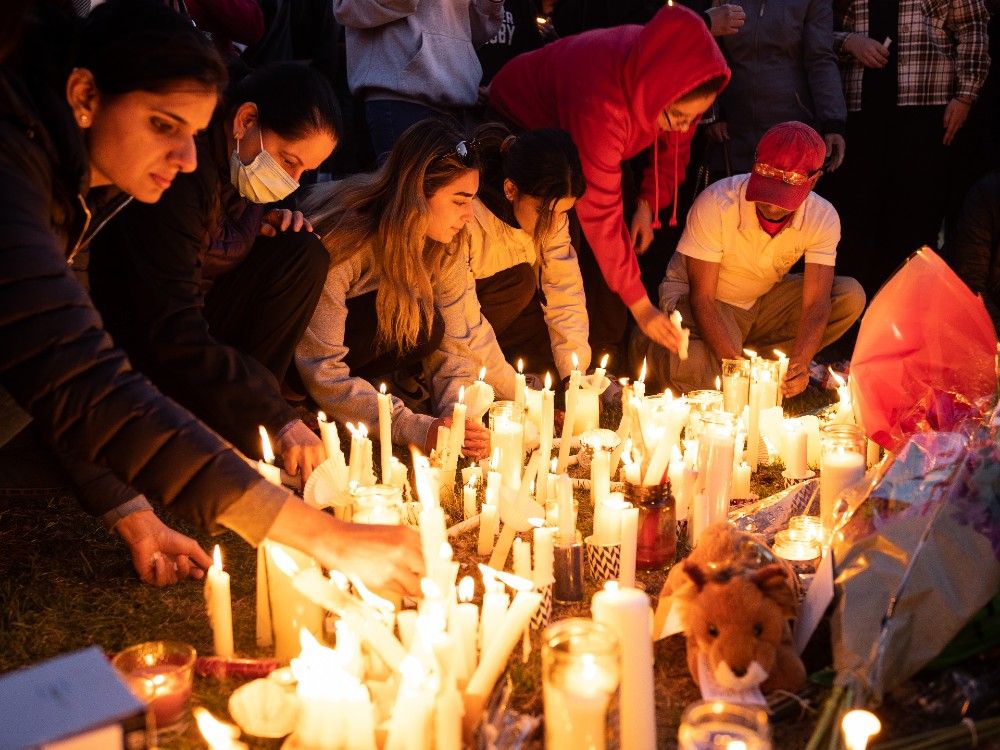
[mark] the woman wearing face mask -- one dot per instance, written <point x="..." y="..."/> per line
<point x="395" y="292"/>
<point x="527" y="280"/>
<point x="122" y="114"/>
<point x="209" y="290"/>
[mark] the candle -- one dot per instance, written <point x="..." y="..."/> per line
<point x="507" y="433"/>
<point x="328" y="432"/>
<point x="545" y="435"/>
<point x="522" y="558"/>
<point x="441" y="446"/>
<point x="567" y="523"/>
<point x="608" y="520"/>
<point x="290" y="609"/>
<point x="602" y="370"/>
<point x="579" y="676"/>
<point x="588" y="412"/>
<point x="716" y="448"/>
<point x="600" y="475"/>
<point x="488" y="517"/>
<point x="839" y="470"/>
<point x="845" y="409"/>
<point x="682" y="346"/>
<point x="735" y="385"/>
<point x="810" y="423"/>
<point x="497" y="652"/>
<point x="782" y="371"/>
<point x="495" y="604"/>
<point x="218" y="734"/>
<point x="385" y="433"/>
<point x="520" y="385"/>
<point x="220" y="606"/>
<point x="795" y="449"/>
<point x="796" y="546"/>
<point x="630" y="538"/>
<point x="464" y="623"/>
<point x="672" y="417"/>
<point x="741" y="481"/>
<point x="469" y="499"/>
<point x="626" y="612"/>
<point x="165" y="692"/>
<point x="714" y="724"/>
<point x="457" y="437"/>
<point x="570" y="414"/>
<point x="543" y="538"/>
<point x="762" y="396"/>
<point x="639" y="387"/>
<point x="266" y="467"/>
<point x="859" y="726"/>
<point x="356" y="465"/>
<point x="410" y="724"/>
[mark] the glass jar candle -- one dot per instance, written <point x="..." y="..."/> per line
<point x="701" y="402"/>
<point x="594" y="440"/>
<point x="735" y="385"/>
<point x="506" y="423"/>
<point x="716" y="448"/>
<point x="580" y="673"/>
<point x="378" y="504"/>
<point x="799" y="548"/>
<point x="715" y="725"/>
<point x="656" y="540"/>
<point x="841" y="465"/>
<point x="160" y="673"/>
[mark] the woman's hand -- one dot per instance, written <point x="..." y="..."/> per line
<point x="796" y="378"/>
<point x="954" y="118"/>
<point x="477" y="438"/>
<point x="867" y="51"/>
<point x="642" y="227"/>
<point x="300" y="448"/>
<point x="836" y="147"/>
<point x="160" y="555"/>
<point x="726" y="19"/>
<point x="283" y="220"/>
<point x="657" y="326"/>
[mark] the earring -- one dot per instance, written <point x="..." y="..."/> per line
<point x="84" y="119"/>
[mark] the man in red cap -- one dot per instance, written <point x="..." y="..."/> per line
<point x="729" y="277"/>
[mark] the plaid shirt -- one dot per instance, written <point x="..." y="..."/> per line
<point x="941" y="53"/>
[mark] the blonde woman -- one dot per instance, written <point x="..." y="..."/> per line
<point x="395" y="292"/>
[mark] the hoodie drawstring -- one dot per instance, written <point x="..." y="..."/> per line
<point x="677" y="184"/>
<point x="656" y="184"/>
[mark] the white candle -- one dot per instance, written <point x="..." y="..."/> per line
<point x="266" y="467"/>
<point x="588" y="413"/>
<point x="796" y="449"/>
<point x="567" y="525"/>
<point x="385" y="433"/>
<point x="600" y="475"/>
<point x="290" y="610"/>
<point x="772" y="428"/>
<point x="522" y="558"/>
<point x="873" y="452"/>
<point x="639" y="387"/>
<point x="469" y="500"/>
<point x="673" y="422"/>
<point x="741" y="481"/>
<point x="441" y="446"/>
<point x="220" y="606"/>
<point x="543" y="538"/>
<point x="545" y="435"/>
<point x="410" y="725"/>
<point x="782" y="371"/>
<point x="457" y="437"/>
<point x="762" y="394"/>
<point x="602" y="369"/>
<point x="630" y="537"/>
<point x="567" y="432"/>
<point x="508" y="438"/>
<point x="464" y="623"/>
<point x="495" y="604"/>
<point x="682" y="347"/>
<point x="839" y="470"/>
<point x="488" y="516"/>
<point x="496" y="653"/>
<point x="576" y="712"/>
<point x="520" y="385"/>
<point x="328" y="433"/>
<point x="715" y="468"/>
<point x="359" y="436"/>
<point x="626" y="612"/>
<point x="608" y="520"/>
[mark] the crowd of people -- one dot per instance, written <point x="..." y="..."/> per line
<point x="177" y="266"/>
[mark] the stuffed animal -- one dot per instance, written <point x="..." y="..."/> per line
<point x="736" y="599"/>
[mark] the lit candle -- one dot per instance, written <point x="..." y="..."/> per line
<point x="588" y="410"/>
<point x="220" y="606"/>
<point x="782" y="371"/>
<point x="839" y="470"/>
<point x="290" y="609"/>
<point x="410" y="724"/>
<point x="608" y="520"/>
<point x="464" y="623"/>
<point x="328" y="432"/>
<point x="218" y="734"/>
<point x="545" y="435"/>
<point x="639" y="387"/>
<point x="845" y="409"/>
<point x="570" y="414"/>
<point x="508" y="439"/>
<point x="522" y="558"/>
<point x="544" y="555"/>
<point x="602" y="370"/>
<point x="741" y="481"/>
<point x="520" y="385"/>
<point x="735" y="385"/>
<point x="626" y="612"/>
<point x="796" y="546"/>
<point x="266" y="467"/>
<point x="488" y="517"/>
<point x="385" y="432"/>
<point x="359" y="436"/>
<point x="762" y="395"/>
<point x="630" y="538"/>
<point x="576" y="694"/>
<point x="457" y="438"/>
<point x="676" y="415"/>
<point x="495" y="604"/>
<point x="859" y="727"/>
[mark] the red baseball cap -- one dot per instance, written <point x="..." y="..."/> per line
<point x="788" y="157"/>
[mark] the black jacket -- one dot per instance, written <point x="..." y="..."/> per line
<point x="146" y="278"/>
<point x="976" y="248"/>
<point x="55" y="358"/>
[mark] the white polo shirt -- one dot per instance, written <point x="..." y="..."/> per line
<point x="722" y="228"/>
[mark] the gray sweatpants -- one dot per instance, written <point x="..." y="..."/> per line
<point x="771" y="323"/>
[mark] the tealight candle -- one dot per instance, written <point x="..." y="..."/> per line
<point x="859" y="726"/>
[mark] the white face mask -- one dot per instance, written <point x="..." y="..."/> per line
<point x="262" y="180"/>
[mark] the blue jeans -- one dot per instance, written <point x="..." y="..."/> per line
<point x="389" y="118"/>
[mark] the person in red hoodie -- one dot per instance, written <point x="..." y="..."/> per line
<point x="618" y="91"/>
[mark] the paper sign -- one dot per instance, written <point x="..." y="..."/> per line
<point x="667" y="620"/>
<point x="816" y="602"/>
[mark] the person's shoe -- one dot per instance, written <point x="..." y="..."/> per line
<point x="410" y="387"/>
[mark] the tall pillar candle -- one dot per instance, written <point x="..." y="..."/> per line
<point x="570" y="415"/>
<point x="626" y="612"/>
<point x="464" y="623"/>
<point x="588" y="410"/>
<point x="796" y="449"/>
<point x="385" y="433"/>
<point x="600" y="475"/>
<point x="543" y="538"/>
<point x="522" y="558"/>
<point x="841" y="467"/>
<point x="328" y="433"/>
<point x="545" y="436"/>
<point x="520" y="384"/>
<point x="782" y="371"/>
<point x="220" y="606"/>
<point x="456" y="438"/>
<point x="630" y="538"/>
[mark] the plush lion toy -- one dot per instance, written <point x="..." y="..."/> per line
<point x="736" y="600"/>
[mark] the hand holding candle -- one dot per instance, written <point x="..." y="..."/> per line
<point x="685" y="335"/>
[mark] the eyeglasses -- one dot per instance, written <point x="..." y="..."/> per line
<point x="466" y="151"/>
<point x="789" y="178"/>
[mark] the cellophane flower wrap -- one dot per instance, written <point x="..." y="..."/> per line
<point x="920" y="552"/>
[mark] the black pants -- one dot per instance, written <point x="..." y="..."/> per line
<point x="262" y="307"/>
<point x="512" y="302"/>
<point x="890" y="192"/>
<point x="366" y="358"/>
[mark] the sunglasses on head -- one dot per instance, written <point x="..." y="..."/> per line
<point x="466" y="152"/>
<point x="789" y="178"/>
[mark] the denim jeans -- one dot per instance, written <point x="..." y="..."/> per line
<point x="389" y="118"/>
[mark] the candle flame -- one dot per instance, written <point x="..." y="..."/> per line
<point x="623" y="382"/>
<point x="362" y="430"/>
<point x="461" y="395"/>
<point x="520" y="365"/>
<point x="482" y="372"/>
<point x="265" y="445"/>
<point x="859" y="726"/>
<point x="836" y="378"/>
<point x="554" y="465"/>
<point x="382" y="389"/>
<point x="466" y="589"/>
<point x="351" y="429"/>
<point x="217" y="558"/>
<point x="515" y="582"/>
<point x="718" y="383"/>
<point x="611" y="586"/>
<point x="218" y="734"/>
<point x="321" y="416"/>
<point x="750" y="353"/>
<point x="642" y="372"/>
<point x="604" y="361"/>
<point x="780" y="354"/>
<point x="537" y="522"/>
<point x="576" y="361"/>
<point x="548" y="381"/>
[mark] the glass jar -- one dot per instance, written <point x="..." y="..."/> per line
<point x="161" y="673"/>
<point x="715" y="725"/>
<point x="716" y="449"/>
<point x="506" y="422"/>
<point x="799" y="549"/>
<point x="842" y="464"/>
<point x="656" y="542"/>
<point x="735" y="385"/>
<point x="580" y="673"/>
<point x="378" y="504"/>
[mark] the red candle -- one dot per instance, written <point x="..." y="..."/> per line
<point x="167" y="690"/>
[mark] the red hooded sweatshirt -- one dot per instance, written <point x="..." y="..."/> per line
<point x="606" y="88"/>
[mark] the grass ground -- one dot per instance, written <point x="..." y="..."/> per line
<point x="65" y="584"/>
